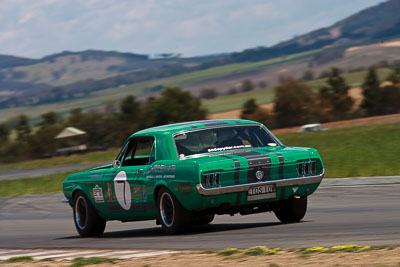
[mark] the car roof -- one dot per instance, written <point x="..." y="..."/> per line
<point x="191" y="125"/>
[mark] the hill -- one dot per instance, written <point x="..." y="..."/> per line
<point x="377" y="23"/>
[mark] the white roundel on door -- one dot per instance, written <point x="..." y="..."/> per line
<point x="122" y="190"/>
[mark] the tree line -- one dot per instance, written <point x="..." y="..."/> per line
<point x="297" y="104"/>
<point x="107" y="129"/>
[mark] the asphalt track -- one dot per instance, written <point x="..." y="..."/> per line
<point x="342" y="211"/>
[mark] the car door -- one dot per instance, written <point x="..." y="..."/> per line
<point x="127" y="188"/>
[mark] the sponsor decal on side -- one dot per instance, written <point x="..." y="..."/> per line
<point x="161" y="171"/>
<point x="109" y="194"/>
<point x="98" y="194"/>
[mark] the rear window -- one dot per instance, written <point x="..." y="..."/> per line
<point x="222" y="139"/>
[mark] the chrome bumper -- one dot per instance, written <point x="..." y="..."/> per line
<point x="245" y="187"/>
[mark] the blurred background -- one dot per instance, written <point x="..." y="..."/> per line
<point x="77" y="78"/>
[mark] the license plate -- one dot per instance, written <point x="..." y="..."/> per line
<point x="261" y="192"/>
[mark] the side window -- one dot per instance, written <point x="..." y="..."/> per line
<point x="138" y="152"/>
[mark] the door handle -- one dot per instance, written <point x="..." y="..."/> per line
<point x="140" y="171"/>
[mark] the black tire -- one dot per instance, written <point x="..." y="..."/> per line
<point x="205" y="219"/>
<point x="291" y="210"/>
<point x="172" y="215"/>
<point x="87" y="222"/>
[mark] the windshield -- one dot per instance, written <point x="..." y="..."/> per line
<point x="222" y="139"/>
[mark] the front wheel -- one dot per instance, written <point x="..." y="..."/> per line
<point x="291" y="210"/>
<point x="172" y="215"/>
<point x="87" y="221"/>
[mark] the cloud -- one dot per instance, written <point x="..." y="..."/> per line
<point x="41" y="27"/>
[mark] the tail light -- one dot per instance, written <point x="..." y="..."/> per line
<point x="211" y="179"/>
<point x="306" y="167"/>
<point x="300" y="168"/>
<point x="204" y="180"/>
<point x="217" y="180"/>
<point x="313" y="167"/>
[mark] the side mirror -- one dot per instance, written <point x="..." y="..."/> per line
<point x="116" y="164"/>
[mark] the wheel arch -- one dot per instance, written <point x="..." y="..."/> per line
<point x="157" y="189"/>
<point x="75" y="191"/>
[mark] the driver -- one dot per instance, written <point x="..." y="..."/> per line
<point x="226" y="137"/>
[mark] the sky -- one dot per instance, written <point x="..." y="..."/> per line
<point x="35" y="28"/>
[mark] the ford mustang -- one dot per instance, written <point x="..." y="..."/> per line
<point x="186" y="173"/>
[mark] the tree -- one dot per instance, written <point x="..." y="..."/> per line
<point x="308" y="75"/>
<point x="232" y="91"/>
<point x="130" y="108"/>
<point x="249" y="107"/>
<point x="208" y="93"/>
<point x="174" y="105"/>
<point x="4" y="133"/>
<point x="389" y="99"/>
<point x="334" y="96"/>
<point x="75" y="117"/>
<point x="262" y="84"/>
<point x="394" y="77"/>
<point x="294" y="104"/>
<point x="23" y="128"/>
<point x="49" y="118"/>
<point x="371" y="92"/>
<point x="247" y="86"/>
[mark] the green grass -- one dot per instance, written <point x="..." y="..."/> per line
<point x="28" y="186"/>
<point x="351" y="152"/>
<point x="19" y="259"/>
<point x="92" y="157"/>
<point x="77" y="262"/>
<point x="336" y="249"/>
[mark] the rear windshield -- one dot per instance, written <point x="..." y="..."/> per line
<point x="222" y="139"/>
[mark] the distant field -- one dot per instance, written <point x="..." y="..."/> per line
<point x="98" y="98"/>
<point x="357" y="151"/>
<point x="354" y="79"/>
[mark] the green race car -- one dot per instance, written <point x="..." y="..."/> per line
<point x="185" y="173"/>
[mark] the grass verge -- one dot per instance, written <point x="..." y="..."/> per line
<point x="354" y="152"/>
<point x="78" y="262"/>
<point x="27" y="186"/>
<point x="19" y="259"/>
<point x="92" y="157"/>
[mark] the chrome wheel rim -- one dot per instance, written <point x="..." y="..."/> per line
<point x="81" y="212"/>
<point x="167" y="209"/>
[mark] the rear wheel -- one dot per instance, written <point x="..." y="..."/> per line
<point x="291" y="210"/>
<point x="172" y="215"/>
<point x="87" y="221"/>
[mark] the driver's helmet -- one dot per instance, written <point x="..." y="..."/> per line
<point x="225" y="134"/>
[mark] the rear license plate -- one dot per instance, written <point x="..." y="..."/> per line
<point x="261" y="192"/>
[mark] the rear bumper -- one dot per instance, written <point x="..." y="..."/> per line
<point x="245" y="187"/>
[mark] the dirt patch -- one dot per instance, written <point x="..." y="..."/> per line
<point x="235" y="114"/>
<point x="382" y="257"/>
